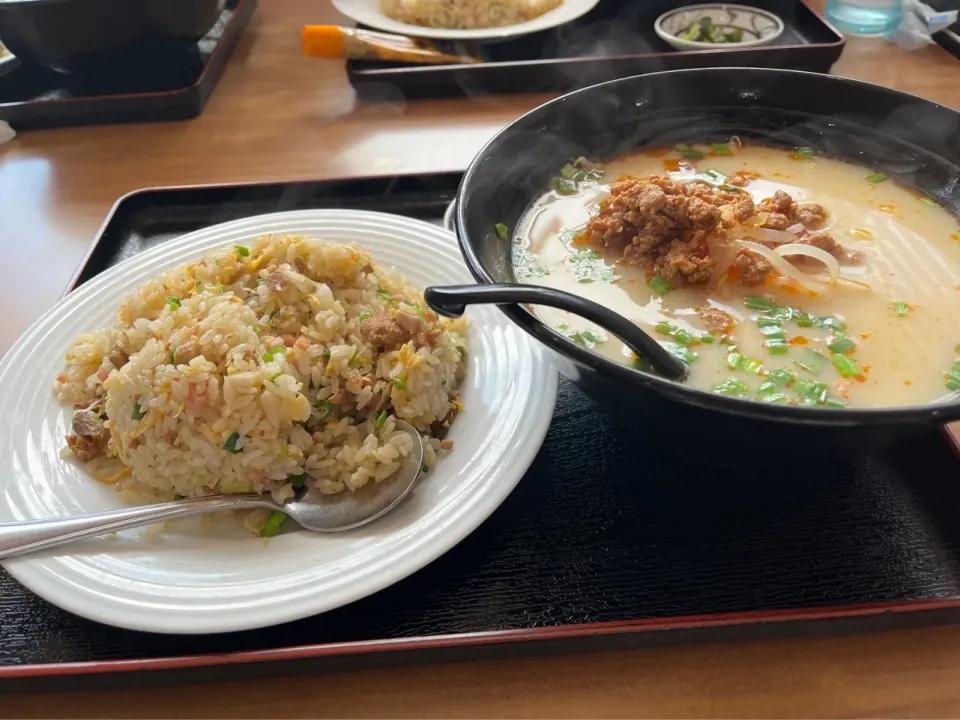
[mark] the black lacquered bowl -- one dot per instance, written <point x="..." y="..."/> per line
<point x="911" y="139"/>
<point x="94" y="36"/>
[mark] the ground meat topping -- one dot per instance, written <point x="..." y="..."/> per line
<point x="826" y="241"/>
<point x="670" y="227"/>
<point x="90" y="436"/>
<point x="383" y="330"/>
<point x="753" y="268"/>
<point x="812" y="216"/>
<point x="716" y="320"/>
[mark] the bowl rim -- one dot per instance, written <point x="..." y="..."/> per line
<point x="670" y="37"/>
<point x="942" y="411"/>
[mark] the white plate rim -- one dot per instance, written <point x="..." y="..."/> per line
<point x="36" y="573"/>
<point x="567" y="12"/>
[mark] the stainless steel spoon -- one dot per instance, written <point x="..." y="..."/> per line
<point x="313" y="510"/>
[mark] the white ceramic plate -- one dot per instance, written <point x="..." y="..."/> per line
<point x="367" y="12"/>
<point x="194" y="580"/>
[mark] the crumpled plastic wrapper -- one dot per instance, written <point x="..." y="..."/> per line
<point x="919" y="23"/>
<point x="7" y="133"/>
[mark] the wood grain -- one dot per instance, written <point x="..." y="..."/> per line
<point x="277" y="115"/>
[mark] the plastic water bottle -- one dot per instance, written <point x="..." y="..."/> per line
<point x="864" y="17"/>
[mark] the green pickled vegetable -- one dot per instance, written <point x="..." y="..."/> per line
<point x="845" y="366"/>
<point x="732" y="386"/>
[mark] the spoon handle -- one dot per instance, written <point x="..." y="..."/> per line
<point x="26" y="537"/>
<point x="452" y="299"/>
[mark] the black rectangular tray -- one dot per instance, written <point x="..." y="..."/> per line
<point x="34" y="97"/>
<point x="614" y="40"/>
<point x="607" y="542"/>
<point x="948" y="39"/>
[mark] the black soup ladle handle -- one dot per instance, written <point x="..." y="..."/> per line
<point x="451" y="301"/>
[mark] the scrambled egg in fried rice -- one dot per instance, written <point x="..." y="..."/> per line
<point x="262" y="369"/>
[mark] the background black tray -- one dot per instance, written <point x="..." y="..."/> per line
<point x="34" y="97"/>
<point x="948" y="39"/>
<point x="605" y="543"/>
<point x="615" y="39"/>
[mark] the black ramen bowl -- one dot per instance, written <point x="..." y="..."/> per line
<point x="908" y="138"/>
<point x="86" y="36"/>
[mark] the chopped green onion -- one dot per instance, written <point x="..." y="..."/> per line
<point x="928" y="201"/>
<point x="834" y="403"/>
<point x="385" y="296"/>
<point x="842" y="344"/>
<point x="901" y="309"/>
<point x="664" y="328"/>
<point x="692" y="155"/>
<point x="353" y="358"/>
<point x="380" y="420"/>
<point x="876" y="177"/>
<point x="241" y="250"/>
<point x="728" y="340"/>
<point x="659" y="285"/>
<point x="641" y="363"/>
<point x="952" y="381"/>
<point x="564" y="186"/>
<point x="173" y="353"/>
<point x="811" y="390"/>
<point x="736" y="361"/>
<point x="845" y="366"/>
<point x="772" y="332"/>
<point x="587" y="338"/>
<point x="764" y="321"/>
<point x="297" y="481"/>
<point x="782" y="377"/>
<point x="569" y="171"/>
<point x="364" y="316"/>
<point x="732" y="386"/>
<point x="680" y="352"/>
<point x="503" y="232"/>
<point x="138" y="412"/>
<point x="273" y="378"/>
<point x="770" y="392"/>
<point x="273" y="523"/>
<point x="708" y="339"/>
<point x="682" y="147"/>
<point x="326" y="409"/>
<point x="683" y="337"/>
<point x="805" y="152"/>
<point x="173" y="302"/>
<point x="831" y="323"/>
<point x="777" y="346"/>
<point x="758" y="303"/>
<point x="721" y="148"/>
<point x="399" y="382"/>
<point x="781" y="313"/>
<point x="811" y="361"/>
<point x="805" y="320"/>
<point x="271" y="354"/>
<point x="231" y="444"/>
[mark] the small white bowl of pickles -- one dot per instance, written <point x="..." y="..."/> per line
<point x="718" y="26"/>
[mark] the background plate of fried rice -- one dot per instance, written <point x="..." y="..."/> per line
<point x="213" y="576"/>
<point x="435" y="16"/>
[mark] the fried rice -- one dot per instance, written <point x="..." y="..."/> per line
<point x="262" y="369"/>
<point x="465" y="14"/>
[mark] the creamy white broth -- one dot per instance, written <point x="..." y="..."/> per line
<point x="912" y="255"/>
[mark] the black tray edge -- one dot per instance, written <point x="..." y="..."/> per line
<point x="586" y="637"/>
<point x="589" y="637"/>
<point x="360" y="77"/>
<point x="134" y="194"/>
<point x="20" y="118"/>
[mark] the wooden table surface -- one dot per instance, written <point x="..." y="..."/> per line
<point x="277" y="115"/>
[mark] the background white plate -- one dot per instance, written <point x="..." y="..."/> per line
<point x="367" y="12"/>
<point x="190" y="580"/>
